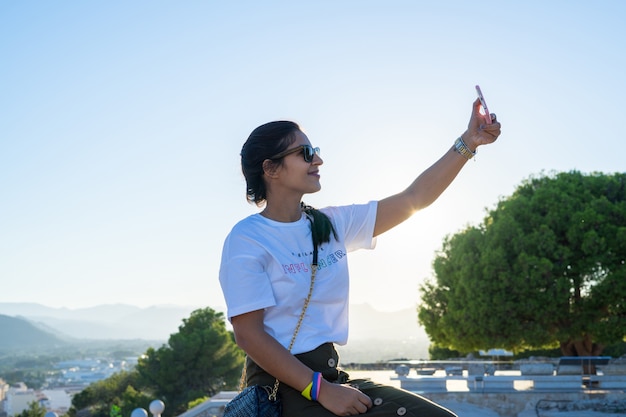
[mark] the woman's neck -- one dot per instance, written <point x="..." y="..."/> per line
<point x="283" y="213"/>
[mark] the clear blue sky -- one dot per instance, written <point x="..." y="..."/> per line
<point x="121" y="124"/>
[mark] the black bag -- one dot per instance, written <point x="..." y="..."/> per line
<point x="253" y="401"/>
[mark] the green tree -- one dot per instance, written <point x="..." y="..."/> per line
<point x="201" y="359"/>
<point x="34" y="410"/>
<point x="546" y="268"/>
<point x="120" y="391"/>
<point x="198" y="361"/>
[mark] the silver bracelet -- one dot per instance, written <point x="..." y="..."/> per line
<point x="462" y="148"/>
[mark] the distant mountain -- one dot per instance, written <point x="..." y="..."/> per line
<point x="374" y="335"/>
<point x="114" y="321"/>
<point x="19" y="333"/>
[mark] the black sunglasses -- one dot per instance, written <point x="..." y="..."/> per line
<point x="308" y="152"/>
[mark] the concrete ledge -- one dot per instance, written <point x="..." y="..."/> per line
<point x="569" y="370"/>
<point x="613" y="369"/>
<point x="558" y="383"/>
<point x="476" y="369"/>
<point x="425" y="383"/>
<point x="522" y="402"/>
<point x="506" y="383"/>
<point x="536" y="369"/>
<point x="608" y="382"/>
<point x="500" y="383"/>
<point x="495" y="383"/>
<point x="454" y="370"/>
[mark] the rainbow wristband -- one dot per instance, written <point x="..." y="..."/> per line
<point x="316" y="385"/>
<point x="306" y="393"/>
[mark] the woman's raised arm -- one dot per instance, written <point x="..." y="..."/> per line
<point x="429" y="185"/>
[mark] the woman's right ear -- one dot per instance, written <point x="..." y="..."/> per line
<point x="270" y="168"/>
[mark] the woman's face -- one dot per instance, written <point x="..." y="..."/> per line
<point x="297" y="175"/>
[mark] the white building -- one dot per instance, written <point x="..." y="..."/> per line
<point x="18" y="399"/>
<point x="4" y="388"/>
<point x="57" y="400"/>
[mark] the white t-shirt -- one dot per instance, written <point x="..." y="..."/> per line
<point x="266" y="265"/>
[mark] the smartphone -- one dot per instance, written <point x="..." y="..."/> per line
<point x="483" y="103"/>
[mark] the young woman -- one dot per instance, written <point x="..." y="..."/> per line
<point x="266" y="271"/>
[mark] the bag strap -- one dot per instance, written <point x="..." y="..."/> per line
<point x="308" y="297"/>
<point x="274" y="392"/>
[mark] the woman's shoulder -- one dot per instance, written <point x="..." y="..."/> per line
<point x="247" y="224"/>
<point x="349" y="210"/>
<point x="256" y="224"/>
<point x="244" y="234"/>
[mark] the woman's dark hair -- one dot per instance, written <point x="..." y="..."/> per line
<point x="263" y="143"/>
<point x="321" y="226"/>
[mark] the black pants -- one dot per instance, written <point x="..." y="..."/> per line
<point x="388" y="401"/>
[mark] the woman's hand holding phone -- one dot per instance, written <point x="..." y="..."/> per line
<point x="483" y="127"/>
<point x="483" y="103"/>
